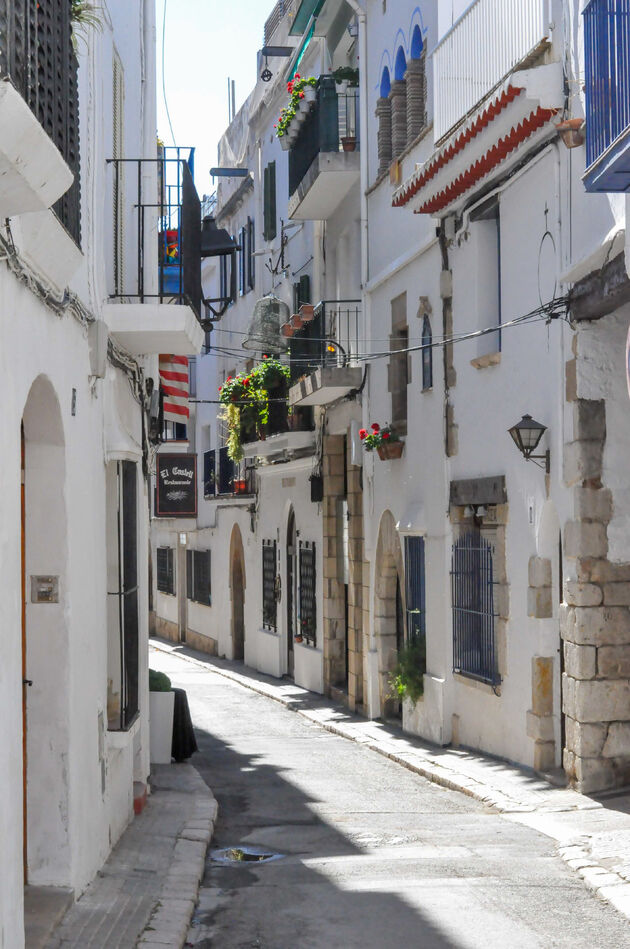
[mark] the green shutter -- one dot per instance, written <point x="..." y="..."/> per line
<point x="266" y="211"/>
<point x="305" y="289"/>
<point x="272" y="201"/>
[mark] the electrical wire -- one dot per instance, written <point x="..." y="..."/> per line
<point x="168" y="114"/>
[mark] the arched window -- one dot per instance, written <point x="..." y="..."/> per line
<point x="385" y="83"/>
<point x="427" y="355"/>
<point x="400" y="65"/>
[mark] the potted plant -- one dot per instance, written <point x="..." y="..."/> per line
<point x="406" y="681"/>
<point x="348" y="143"/>
<point x="161" y="705"/>
<point x="303" y="95"/>
<point x="348" y="75"/>
<point x="384" y="440"/>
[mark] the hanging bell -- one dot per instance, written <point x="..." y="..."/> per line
<point x="264" y="333"/>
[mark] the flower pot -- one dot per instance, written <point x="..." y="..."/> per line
<point x="287" y="330"/>
<point x="161" y="705"/>
<point x="310" y="94"/>
<point x="307" y="312"/>
<point x="571" y="132"/>
<point x="388" y="450"/>
<point x="296" y="321"/>
<point x="285" y="142"/>
<point x="349" y="143"/>
<point x="297" y="639"/>
<point x="240" y="486"/>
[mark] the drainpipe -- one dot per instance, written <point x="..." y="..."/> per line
<point x="363" y="119"/>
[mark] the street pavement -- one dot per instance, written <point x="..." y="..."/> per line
<point x="373" y="854"/>
<point x="146" y="892"/>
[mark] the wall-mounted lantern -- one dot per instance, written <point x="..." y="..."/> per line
<point x="526" y="435"/>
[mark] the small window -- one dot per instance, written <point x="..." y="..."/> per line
<point x="427" y="354"/>
<point x="198" y="576"/>
<point x="166" y="570"/>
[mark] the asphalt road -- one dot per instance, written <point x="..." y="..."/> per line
<point x="372" y="855"/>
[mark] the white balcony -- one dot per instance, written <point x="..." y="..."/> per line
<point x="148" y="329"/>
<point x="325" y="385"/>
<point x="282" y="443"/>
<point x="33" y="174"/>
<point x="487" y="42"/>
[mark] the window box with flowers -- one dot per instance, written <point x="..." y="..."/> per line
<point x="384" y="440"/>
<point x="303" y="93"/>
<point x="255" y="404"/>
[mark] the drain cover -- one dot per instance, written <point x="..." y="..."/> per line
<point x="233" y="856"/>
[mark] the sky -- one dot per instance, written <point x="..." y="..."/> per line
<point x="206" y="41"/>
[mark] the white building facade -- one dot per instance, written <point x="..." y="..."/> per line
<point x="75" y="357"/>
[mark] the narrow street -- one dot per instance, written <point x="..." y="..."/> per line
<point x="372" y="855"/>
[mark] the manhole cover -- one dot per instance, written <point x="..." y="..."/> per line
<point x="235" y="855"/>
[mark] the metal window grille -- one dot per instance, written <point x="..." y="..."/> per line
<point x="427" y="354"/>
<point x="165" y="570"/>
<point x="415" y="589"/>
<point x="308" y="601"/>
<point x="269" y="602"/>
<point x="198" y="586"/>
<point x="209" y="474"/>
<point x="36" y="51"/>
<point x="472" y="591"/>
<point x="226" y="472"/>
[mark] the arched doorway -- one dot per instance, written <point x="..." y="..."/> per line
<point x="291" y="586"/>
<point x="388" y="610"/>
<point x="237" y="591"/>
<point x="45" y="647"/>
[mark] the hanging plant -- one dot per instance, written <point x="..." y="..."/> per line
<point x="377" y="436"/>
<point x="85" y="15"/>
<point x="299" y="90"/>
<point x="246" y="400"/>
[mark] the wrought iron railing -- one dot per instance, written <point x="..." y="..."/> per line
<point x="37" y="54"/>
<point x="157" y="229"/>
<point x="275" y="18"/>
<point x="333" y="119"/>
<point x="607" y="67"/>
<point x="330" y="339"/>
<point x="481" y="49"/>
<point x="472" y="591"/>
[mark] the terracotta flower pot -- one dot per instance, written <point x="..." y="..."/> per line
<point x="287" y="330"/>
<point x="571" y="132"/>
<point x="307" y="312"/>
<point x="349" y="143"/>
<point x="296" y="321"/>
<point x="388" y="450"/>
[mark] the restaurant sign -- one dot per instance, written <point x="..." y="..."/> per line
<point x="176" y="488"/>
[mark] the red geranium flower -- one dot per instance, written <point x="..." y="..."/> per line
<point x="376" y="427"/>
<point x="297" y="76"/>
<point x="362" y="433"/>
<point x="301" y="95"/>
<point x="385" y="434"/>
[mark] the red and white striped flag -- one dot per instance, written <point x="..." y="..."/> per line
<point x="174" y="380"/>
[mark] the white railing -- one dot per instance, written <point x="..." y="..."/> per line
<point x="480" y="50"/>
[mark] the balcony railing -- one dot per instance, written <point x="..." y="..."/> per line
<point x="329" y="340"/>
<point x="36" y="52"/>
<point x="333" y="119"/>
<point x="607" y="62"/>
<point x="481" y="49"/>
<point x="275" y="18"/>
<point x="156" y="229"/>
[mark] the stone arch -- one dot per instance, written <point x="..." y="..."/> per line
<point x="389" y="572"/>
<point x="45" y="641"/>
<point x="237" y="592"/>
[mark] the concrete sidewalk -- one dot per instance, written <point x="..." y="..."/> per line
<point x="592" y="833"/>
<point x="146" y="892"/>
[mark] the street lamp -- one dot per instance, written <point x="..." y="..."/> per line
<point x="526" y="435"/>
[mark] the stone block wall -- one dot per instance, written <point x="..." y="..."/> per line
<point x="595" y="616"/>
<point x="342" y="480"/>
